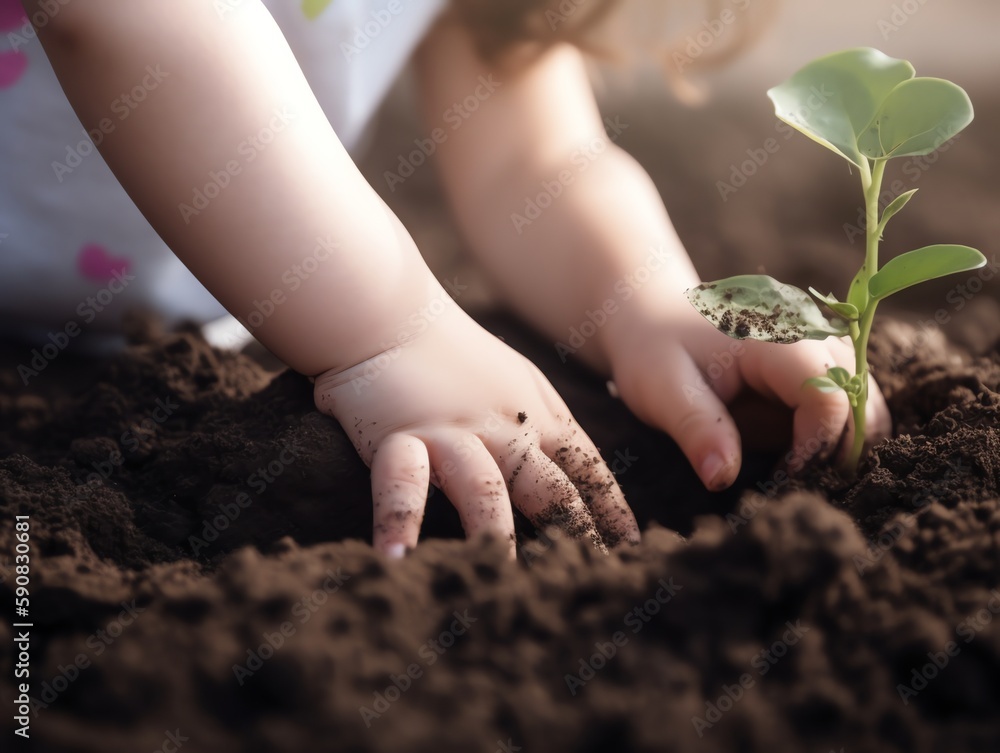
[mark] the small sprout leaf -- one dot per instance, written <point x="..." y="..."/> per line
<point x="835" y="98"/>
<point x="761" y="308"/>
<point x="894" y="206"/>
<point x="865" y="105"/>
<point x="824" y="384"/>
<point x="923" y="264"/>
<point x="915" y="118"/>
<point x="828" y="299"/>
<point x="846" y="310"/>
<point x="839" y="375"/>
<point x="857" y="294"/>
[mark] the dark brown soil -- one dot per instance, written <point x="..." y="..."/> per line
<point x="199" y="570"/>
<point x="785" y="622"/>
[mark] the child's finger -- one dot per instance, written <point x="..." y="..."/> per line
<point x="400" y="476"/>
<point x="877" y="413"/>
<point x="580" y="459"/>
<point x="674" y="396"/>
<point x="546" y="495"/>
<point x="468" y="474"/>
<point x="820" y="417"/>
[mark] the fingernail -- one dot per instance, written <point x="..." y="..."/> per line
<point x="395" y="551"/>
<point x="715" y="472"/>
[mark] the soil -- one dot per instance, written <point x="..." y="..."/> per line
<point x="200" y="572"/>
<point x="786" y="621"/>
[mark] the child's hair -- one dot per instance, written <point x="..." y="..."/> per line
<point x="500" y="25"/>
<point x="619" y="29"/>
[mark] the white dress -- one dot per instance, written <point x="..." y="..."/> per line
<point x="75" y="253"/>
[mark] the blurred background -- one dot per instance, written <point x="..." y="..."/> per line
<point x="793" y="216"/>
<point x="953" y="39"/>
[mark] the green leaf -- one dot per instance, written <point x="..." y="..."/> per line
<point x="824" y="384"/>
<point x="312" y="8"/>
<point x="834" y="99"/>
<point x="863" y="104"/>
<point x="894" y="206"/>
<point x="923" y="264"/>
<point x="857" y="294"/>
<point x="761" y="308"/>
<point x="846" y="310"/>
<point x="837" y="379"/>
<point x="915" y="118"/>
<point x="839" y="375"/>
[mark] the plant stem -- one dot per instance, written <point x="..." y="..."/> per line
<point x="871" y="182"/>
<point x="861" y="367"/>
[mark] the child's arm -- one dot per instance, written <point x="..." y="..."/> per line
<point x="603" y="242"/>
<point x="291" y="221"/>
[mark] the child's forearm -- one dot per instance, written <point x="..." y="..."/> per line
<point x="212" y="129"/>
<point x="599" y="251"/>
<point x="565" y="221"/>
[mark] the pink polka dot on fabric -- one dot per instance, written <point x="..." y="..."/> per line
<point x="96" y="263"/>
<point x="12" y="67"/>
<point x="12" y="15"/>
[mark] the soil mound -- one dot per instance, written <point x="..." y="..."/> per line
<point x="195" y="575"/>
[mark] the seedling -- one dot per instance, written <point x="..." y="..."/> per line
<point x="868" y="108"/>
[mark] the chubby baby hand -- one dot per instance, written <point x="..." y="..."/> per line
<point x="448" y="403"/>
<point x="677" y="372"/>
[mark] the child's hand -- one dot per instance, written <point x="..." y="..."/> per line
<point x="658" y="362"/>
<point x="456" y="406"/>
<point x="590" y="251"/>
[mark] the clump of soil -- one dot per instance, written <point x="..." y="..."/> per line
<point x="196" y="572"/>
